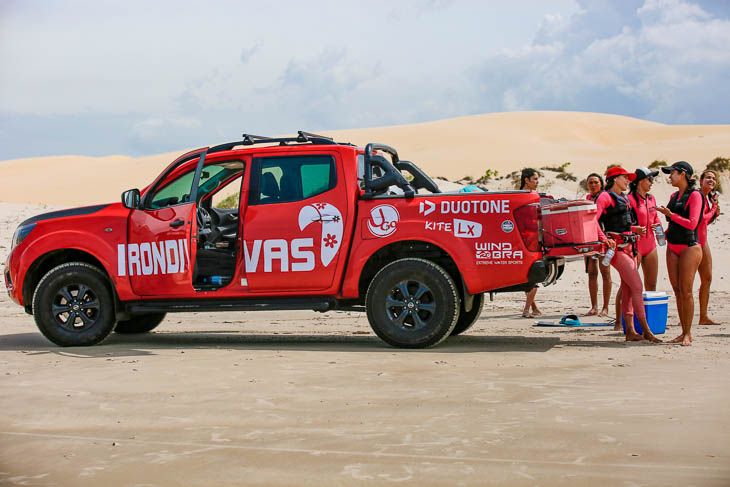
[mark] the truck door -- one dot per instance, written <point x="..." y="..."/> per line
<point x="293" y="226"/>
<point x="159" y="248"/>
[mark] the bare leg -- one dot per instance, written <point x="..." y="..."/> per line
<point x="592" y="269"/>
<point x="650" y="267"/>
<point x="535" y="310"/>
<point x="689" y="262"/>
<point x="705" y="271"/>
<point x="529" y="300"/>
<point x="606" y="277"/>
<point x="673" y="272"/>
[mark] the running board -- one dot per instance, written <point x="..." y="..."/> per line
<point x="187" y="306"/>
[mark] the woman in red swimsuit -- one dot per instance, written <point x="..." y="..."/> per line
<point x="614" y="216"/>
<point x="644" y="206"/>
<point x="684" y="252"/>
<point x="593" y="265"/>
<point x="708" y="183"/>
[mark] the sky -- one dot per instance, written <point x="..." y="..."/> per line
<point x="137" y="77"/>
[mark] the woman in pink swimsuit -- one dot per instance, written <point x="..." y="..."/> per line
<point x="644" y="206"/>
<point x="684" y="252"/>
<point x="593" y="265"/>
<point x="708" y="182"/>
<point x="614" y="216"/>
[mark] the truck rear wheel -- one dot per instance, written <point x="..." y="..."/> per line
<point x="139" y="324"/>
<point x="73" y="305"/>
<point x="412" y="303"/>
<point x="467" y="319"/>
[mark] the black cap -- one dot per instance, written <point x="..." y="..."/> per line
<point x="679" y="166"/>
<point x="644" y="172"/>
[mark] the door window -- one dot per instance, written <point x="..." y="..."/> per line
<point x="288" y="179"/>
<point x="178" y="191"/>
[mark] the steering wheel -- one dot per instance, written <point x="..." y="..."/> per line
<point x="205" y="222"/>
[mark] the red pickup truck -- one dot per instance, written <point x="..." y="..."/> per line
<point x="314" y="224"/>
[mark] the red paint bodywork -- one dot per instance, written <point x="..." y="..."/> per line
<point x="98" y="235"/>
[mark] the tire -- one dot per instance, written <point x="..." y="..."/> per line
<point x="73" y="305"/>
<point x="467" y="319"/>
<point x="424" y="285"/>
<point x="139" y="324"/>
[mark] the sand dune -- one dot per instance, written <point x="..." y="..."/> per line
<point x="451" y="148"/>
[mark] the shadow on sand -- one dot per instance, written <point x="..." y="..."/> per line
<point x="151" y="343"/>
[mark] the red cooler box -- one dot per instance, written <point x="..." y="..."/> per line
<point x="569" y="223"/>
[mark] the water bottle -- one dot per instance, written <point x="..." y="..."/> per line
<point x="607" y="258"/>
<point x="659" y="232"/>
<point x="215" y="280"/>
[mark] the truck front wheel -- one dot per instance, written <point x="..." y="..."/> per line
<point x="73" y="305"/>
<point x="412" y="303"/>
<point x="139" y="324"/>
<point x="467" y="319"/>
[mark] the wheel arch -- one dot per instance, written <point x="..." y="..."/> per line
<point x="407" y="248"/>
<point x="48" y="261"/>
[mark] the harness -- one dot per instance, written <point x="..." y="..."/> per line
<point x="616" y="222"/>
<point x="676" y="233"/>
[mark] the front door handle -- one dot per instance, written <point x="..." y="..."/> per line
<point x="177" y="223"/>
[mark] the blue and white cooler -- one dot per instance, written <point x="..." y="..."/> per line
<point x="656" y="305"/>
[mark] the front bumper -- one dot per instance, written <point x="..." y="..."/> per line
<point x="11" y="284"/>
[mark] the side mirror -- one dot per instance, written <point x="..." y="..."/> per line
<point x="130" y="199"/>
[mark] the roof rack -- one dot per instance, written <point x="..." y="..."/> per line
<point x="301" y="138"/>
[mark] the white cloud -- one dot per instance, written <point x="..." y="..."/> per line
<point x="667" y="60"/>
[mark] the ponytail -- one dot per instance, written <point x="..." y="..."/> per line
<point x="527" y="173"/>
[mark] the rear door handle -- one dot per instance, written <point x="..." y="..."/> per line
<point x="177" y="223"/>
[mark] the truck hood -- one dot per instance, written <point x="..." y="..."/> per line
<point x="52" y="215"/>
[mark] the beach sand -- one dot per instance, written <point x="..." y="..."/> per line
<point x="303" y="398"/>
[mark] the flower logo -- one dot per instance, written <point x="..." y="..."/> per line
<point x="330" y="241"/>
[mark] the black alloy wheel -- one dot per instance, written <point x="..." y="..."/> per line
<point x="73" y="305"/>
<point x="412" y="303"/>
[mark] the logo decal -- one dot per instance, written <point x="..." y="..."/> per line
<point x="460" y="228"/>
<point x="465" y="206"/>
<point x="383" y="220"/>
<point x="467" y="229"/>
<point x="426" y="207"/>
<point x="153" y="258"/>
<point x="497" y="253"/>
<point x="507" y="226"/>
<point x="331" y="220"/>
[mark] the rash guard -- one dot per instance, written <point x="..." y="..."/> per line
<point x="646" y="216"/>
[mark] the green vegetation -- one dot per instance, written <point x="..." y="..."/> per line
<point x="560" y="168"/>
<point x="488" y="175"/>
<point x="719" y="165"/>
<point x="566" y="176"/>
<point x="229" y="202"/>
<point x="657" y="164"/>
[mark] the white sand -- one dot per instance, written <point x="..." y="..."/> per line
<point x="302" y="398"/>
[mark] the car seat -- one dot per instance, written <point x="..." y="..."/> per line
<point x="269" y="188"/>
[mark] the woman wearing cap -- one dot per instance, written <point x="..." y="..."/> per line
<point x="614" y="216"/>
<point x="644" y="205"/>
<point x="708" y="183"/>
<point x="684" y="252"/>
<point x="593" y="265"/>
<point x="528" y="181"/>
